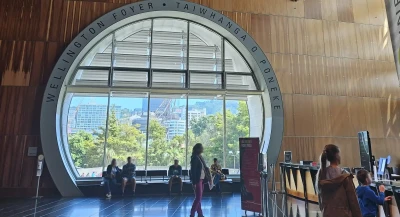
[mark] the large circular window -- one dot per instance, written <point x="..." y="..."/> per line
<point x="154" y="88"/>
<point x="149" y="80"/>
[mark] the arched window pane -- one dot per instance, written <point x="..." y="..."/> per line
<point x="205" y="49"/>
<point x="234" y="62"/>
<point x="87" y="115"/>
<point x="169" y="44"/>
<point x="167" y="131"/>
<point x="132" y="45"/>
<point x="237" y="126"/>
<point x="127" y="128"/>
<point x="100" y="54"/>
<point x="207" y="126"/>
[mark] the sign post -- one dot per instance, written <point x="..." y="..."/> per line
<point x="250" y="175"/>
<point x="39" y="170"/>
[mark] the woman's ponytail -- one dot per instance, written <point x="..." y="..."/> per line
<point x="322" y="172"/>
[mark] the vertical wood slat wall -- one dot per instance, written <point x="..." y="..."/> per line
<point x="333" y="60"/>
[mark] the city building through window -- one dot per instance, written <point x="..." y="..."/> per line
<point x="154" y="88"/>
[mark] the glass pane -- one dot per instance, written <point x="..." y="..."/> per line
<point x="132" y="46"/>
<point x="100" y="54"/>
<point x="167" y="131"/>
<point x="91" y="77"/>
<point x="86" y="126"/>
<point x="205" y="80"/>
<point x="169" y="44"/>
<point x="127" y="129"/>
<point x="205" y="49"/>
<point x="169" y="79"/>
<point x="240" y="82"/>
<point x="237" y="126"/>
<point x="130" y="79"/>
<point x="206" y="126"/>
<point x="234" y="62"/>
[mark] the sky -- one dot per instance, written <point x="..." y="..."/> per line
<point x="130" y="103"/>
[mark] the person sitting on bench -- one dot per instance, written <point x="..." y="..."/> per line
<point x="217" y="174"/>
<point x="128" y="175"/>
<point x="175" y="173"/>
<point x="111" y="177"/>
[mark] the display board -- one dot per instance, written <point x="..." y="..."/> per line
<point x="249" y="174"/>
<point x="365" y="150"/>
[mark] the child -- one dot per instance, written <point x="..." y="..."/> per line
<point x="367" y="198"/>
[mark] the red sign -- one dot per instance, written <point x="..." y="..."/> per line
<point x="249" y="174"/>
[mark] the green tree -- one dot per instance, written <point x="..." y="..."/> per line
<point x="163" y="152"/>
<point x="123" y="140"/>
<point x="84" y="151"/>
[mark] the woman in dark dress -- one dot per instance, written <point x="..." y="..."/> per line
<point x="197" y="176"/>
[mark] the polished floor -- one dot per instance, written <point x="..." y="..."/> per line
<point x="226" y="205"/>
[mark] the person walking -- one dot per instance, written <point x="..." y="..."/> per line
<point x="198" y="171"/>
<point x="335" y="188"/>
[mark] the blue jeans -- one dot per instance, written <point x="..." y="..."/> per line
<point x="109" y="184"/>
<point x="216" y="180"/>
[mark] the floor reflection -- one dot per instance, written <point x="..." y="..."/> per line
<point x="227" y="205"/>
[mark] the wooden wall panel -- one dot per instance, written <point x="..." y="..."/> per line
<point x="315" y="37"/>
<point x="282" y="70"/>
<point x="377" y="12"/>
<point x="322" y="116"/>
<point x="303" y="115"/>
<point x="345" y="11"/>
<point x="331" y="38"/>
<point x="312" y="9"/>
<point x="297" y="36"/>
<point x="261" y="31"/>
<point x="288" y="112"/>
<point x="374" y="122"/>
<point x="339" y="117"/>
<point x="360" y="11"/>
<point x="348" y="40"/>
<point x="300" y="75"/>
<point x="295" y="8"/>
<point x="357" y="115"/>
<point x="277" y="7"/>
<point x="316" y="74"/>
<point x="329" y="9"/>
<point x="381" y="43"/>
<point x="365" y="41"/>
<point x="335" y="83"/>
<point x="279" y="34"/>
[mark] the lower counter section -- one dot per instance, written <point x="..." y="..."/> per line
<point x="299" y="181"/>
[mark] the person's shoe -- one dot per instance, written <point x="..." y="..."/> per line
<point x="108" y="196"/>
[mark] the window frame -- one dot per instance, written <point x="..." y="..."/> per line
<point x="154" y="90"/>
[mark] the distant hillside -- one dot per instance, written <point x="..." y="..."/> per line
<point x="215" y="106"/>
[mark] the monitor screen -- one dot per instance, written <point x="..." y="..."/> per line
<point x="382" y="166"/>
<point x="365" y="150"/>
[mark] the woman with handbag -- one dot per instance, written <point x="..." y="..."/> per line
<point x="199" y="174"/>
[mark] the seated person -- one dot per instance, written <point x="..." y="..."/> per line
<point x="216" y="172"/>
<point x="111" y="177"/>
<point x="175" y="173"/>
<point x="367" y="198"/>
<point x="128" y="175"/>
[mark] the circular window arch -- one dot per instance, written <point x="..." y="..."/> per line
<point x="150" y="87"/>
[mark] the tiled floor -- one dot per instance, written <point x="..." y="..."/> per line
<point x="227" y="205"/>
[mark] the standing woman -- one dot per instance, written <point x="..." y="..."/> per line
<point x="335" y="188"/>
<point x="197" y="176"/>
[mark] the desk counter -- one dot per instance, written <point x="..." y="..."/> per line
<point x="299" y="181"/>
